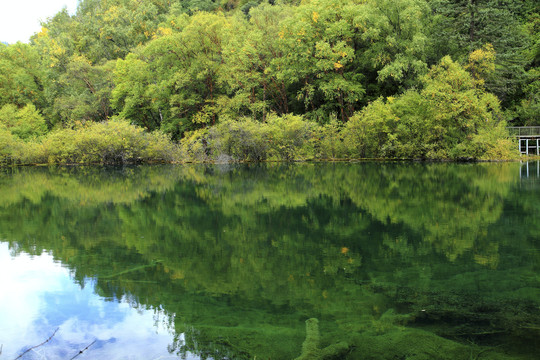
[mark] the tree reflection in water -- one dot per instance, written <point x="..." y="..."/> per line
<point x="240" y="256"/>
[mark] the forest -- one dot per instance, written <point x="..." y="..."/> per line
<point x="130" y="81"/>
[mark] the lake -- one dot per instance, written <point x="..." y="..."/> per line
<point x="302" y="261"/>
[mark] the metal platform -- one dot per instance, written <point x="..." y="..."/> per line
<point x="528" y="138"/>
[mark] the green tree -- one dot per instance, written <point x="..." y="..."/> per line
<point x="22" y="77"/>
<point x="248" y="73"/>
<point x="174" y="80"/>
<point x="318" y="50"/>
<point x="458" y="107"/>
<point x="8" y="145"/>
<point x="529" y="108"/>
<point x="26" y="123"/>
<point x="462" y="26"/>
<point x="130" y="95"/>
<point x="84" y="91"/>
<point x="452" y="117"/>
<point x="110" y="29"/>
<point x="394" y="40"/>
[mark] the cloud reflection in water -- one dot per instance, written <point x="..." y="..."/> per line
<point x="38" y="295"/>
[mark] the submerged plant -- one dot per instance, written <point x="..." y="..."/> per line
<point x="311" y="347"/>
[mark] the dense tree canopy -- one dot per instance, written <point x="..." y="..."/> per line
<point x="177" y="66"/>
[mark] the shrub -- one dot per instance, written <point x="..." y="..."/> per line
<point x="329" y="142"/>
<point x="112" y="142"/>
<point x="245" y="139"/>
<point x="280" y="138"/>
<point x="368" y="132"/>
<point x="290" y="137"/>
<point x="487" y="144"/>
<point x="194" y="146"/>
<point x="8" y="145"/>
<point x="451" y="118"/>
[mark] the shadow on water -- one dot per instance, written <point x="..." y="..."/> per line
<point x="307" y="261"/>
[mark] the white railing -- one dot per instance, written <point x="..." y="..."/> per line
<point x="524" y="131"/>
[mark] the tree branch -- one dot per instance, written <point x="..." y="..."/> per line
<point x="33" y="347"/>
<point x="83" y="350"/>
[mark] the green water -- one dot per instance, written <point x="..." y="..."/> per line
<point x="307" y="261"/>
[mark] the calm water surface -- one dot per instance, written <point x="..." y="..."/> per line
<point x="299" y="261"/>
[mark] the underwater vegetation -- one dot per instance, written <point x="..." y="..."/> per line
<point x="311" y="347"/>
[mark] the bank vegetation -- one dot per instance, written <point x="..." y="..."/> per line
<point x="133" y="81"/>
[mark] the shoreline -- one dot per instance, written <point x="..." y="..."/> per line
<point x="217" y="162"/>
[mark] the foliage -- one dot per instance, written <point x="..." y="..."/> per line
<point x="318" y="47"/>
<point x="459" y="109"/>
<point x="451" y="118"/>
<point x="115" y="141"/>
<point x="252" y="47"/>
<point x="130" y="94"/>
<point x="110" y="29"/>
<point x="488" y="144"/>
<point x="283" y="138"/>
<point x="25" y="123"/>
<point x="242" y="140"/>
<point x="530" y="106"/>
<point x="84" y="92"/>
<point x="173" y="83"/>
<point x="8" y="145"/>
<point x="112" y="142"/>
<point x="181" y="66"/>
<point x="481" y="63"/>
<point x="396" y="31"/>
<point x="367" y="132"/>
<point x="290" y="137"/>
<point x="328" y="141"/>
<point x="463" y="26"/>
<point x="194" y="146"/>
<point x="21" y="76"/>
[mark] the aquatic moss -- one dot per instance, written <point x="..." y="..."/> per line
<point x="311" y="347"/>
<point x="239" y="342"/>
<point x="415" y="344"/>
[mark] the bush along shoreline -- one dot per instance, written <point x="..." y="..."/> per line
<point x="111" y="142"/>
<point x="451" y="118"/>
<point x="287" y="138"/>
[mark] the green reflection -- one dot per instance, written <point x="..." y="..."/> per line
<point x="242" y="256"/>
